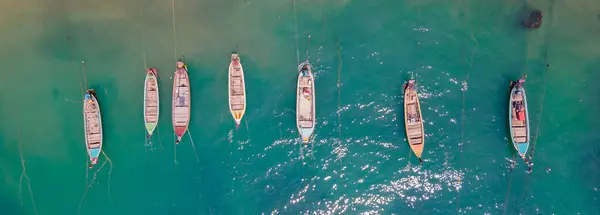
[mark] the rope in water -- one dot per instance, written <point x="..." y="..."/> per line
<point x="463" y="112"/>
<point x="84" y="74"/>
<point x="512" y="167"/>
<point x="174" y="29"/>
<point x="414" y="76"/>
<point x="296" y="28"/>
<point x="339" y="86"/>
<point x="545" y="84"/>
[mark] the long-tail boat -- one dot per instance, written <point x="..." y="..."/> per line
<point x="519" y="118"/>
<point x="181" y="100"/>
<point x="151" y="100"/>
<point x="237" y="89"/>
<point x="305" y="102"/>
<point x="92" y="122"/>
<point x="413" y="119"/>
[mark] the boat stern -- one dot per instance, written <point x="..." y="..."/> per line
<point x="179" y="132"/>
<point x="417" y="149"/>
<point x="94" y="154"/>
<point x="306" y="133"/>
<point x="150" y="128"/>
<point x="522" y="149"/>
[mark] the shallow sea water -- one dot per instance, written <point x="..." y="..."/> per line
<point x="462" y="54"/>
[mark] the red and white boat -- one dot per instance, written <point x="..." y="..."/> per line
<point x="181" y="100"/>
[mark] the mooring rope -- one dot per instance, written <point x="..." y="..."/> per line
<point x="339" y="86"/>
<point x="512" y="167"/>
<point x="545" y="84"/>
<point x="464" y="88"/>
<point x="296" y="27"/>
<point x="174" y="29"/>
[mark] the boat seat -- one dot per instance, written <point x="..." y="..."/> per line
<point x="521" y="139"/>
<point x="237" y="100"/>
<point x="414" y="132"/>
<point x="151" y="110"/>
<point x="236" y="72"/>
<point x="94" y="138"/>
<point x="517" y="123"/>
<point x="305" y="123"/>
<point x="237" y="106"/>
<point x="416" y="140"/>
<point x="520" y="132"/>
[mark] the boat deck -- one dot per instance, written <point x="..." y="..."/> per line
<point x="181" y="99"/>
<point x="236" y="84"/>
<point x="92" y="123"/>
<point x="414" y="123"/>
<point x="519" y="127"/>
<point x="151" y="100"/>
<point x="305" y="105"/>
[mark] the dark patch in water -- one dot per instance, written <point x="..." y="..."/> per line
<point x="532" y="19"/>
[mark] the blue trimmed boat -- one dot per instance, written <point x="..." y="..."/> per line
<point x="92" y="125"/>
<point x="305" y="102"/>
<point x="519" y="118"/>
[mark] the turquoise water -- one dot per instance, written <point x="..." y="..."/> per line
<point x="462" y="54"/>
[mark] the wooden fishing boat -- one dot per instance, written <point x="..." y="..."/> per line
<point x="181" y="100"/>
<point x="413" y="120"/>
<point x="305" y="102"/>
<point x="151" y="100"/>
<point x="518" y="118"/>
<point x="92" y="125"/>
<point x="237" y="89"/>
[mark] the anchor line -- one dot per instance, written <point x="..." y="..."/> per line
<point x="543" y="96"/>
<point x="307" y="46"/>
<point x="143" y="39"/>
<point x="542" y="99"/>
<point x="84" y="74"/>
<point x="339" y="86"/>
<point x="174" y="29"/>
<point x="463" y="116"/>
<point x="512" y="167"/>
<point x="78" y="68"/>
<point x="414" y="76"/>
<point x="296" y="30"/>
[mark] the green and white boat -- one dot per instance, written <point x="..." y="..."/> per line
<point x="151" y="100"/>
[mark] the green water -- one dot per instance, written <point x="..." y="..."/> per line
<point x="359" y="162"/>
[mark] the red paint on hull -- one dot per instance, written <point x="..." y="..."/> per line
<point x="180" y="131"/>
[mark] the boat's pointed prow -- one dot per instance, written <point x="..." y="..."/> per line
<point x="413" y="119"/>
